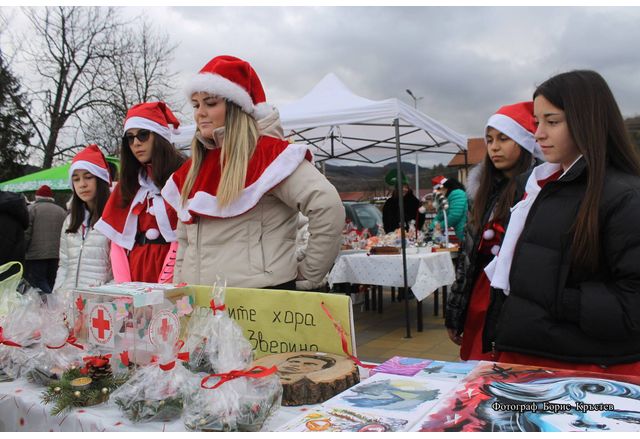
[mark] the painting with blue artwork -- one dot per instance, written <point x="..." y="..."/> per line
<point x="392" y="395"/>
<point x="447" y="370"/>
<point x="508" y="397"/>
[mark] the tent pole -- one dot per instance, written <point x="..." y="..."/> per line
<point x="403" y="241"/>
<point x="417" y="177"/>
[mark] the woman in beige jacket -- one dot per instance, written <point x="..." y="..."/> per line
<point x="239" y="195"/>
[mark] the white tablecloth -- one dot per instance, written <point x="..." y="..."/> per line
<point x="426" y="272"/>
<point x="22" y="410"/>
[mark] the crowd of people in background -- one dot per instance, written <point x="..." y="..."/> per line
<point x="546" y="272"/>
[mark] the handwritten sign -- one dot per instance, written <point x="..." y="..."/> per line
<point x="277" y="321"/>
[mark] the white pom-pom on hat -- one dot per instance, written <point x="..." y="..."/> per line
<point x="489" y="234"/>
<point x="152" y="234"/>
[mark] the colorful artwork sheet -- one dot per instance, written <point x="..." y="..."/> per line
<point x="343" y="420"/>
<point x="392" y="396"/>
<point x="447" y="370"/>
<point x="508" y="397"/>
<point x="401" y="366"/>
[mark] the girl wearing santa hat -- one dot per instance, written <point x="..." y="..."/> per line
<point x="239" y="195"/>
<point x="568" y="264"/>
<point x="136" y="218"/>
<point x="84" y="251"/>
<point x="495" y="185"/>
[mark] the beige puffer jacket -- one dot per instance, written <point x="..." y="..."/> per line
<point x="257" y="249"/>
<point x="82" y="264"/>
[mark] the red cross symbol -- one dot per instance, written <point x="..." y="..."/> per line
<point x="101" y="324"/>
<point x="164" y="329"/>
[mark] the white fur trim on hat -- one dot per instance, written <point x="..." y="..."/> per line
<point x="206" y="204"/>
<point x="94" y="169"/>
<point x="516" y="132"/>
<point x="224" y="88"/>
<point x="147" y="124"/>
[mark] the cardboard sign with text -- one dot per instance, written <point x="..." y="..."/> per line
<point x="277" y="321"/>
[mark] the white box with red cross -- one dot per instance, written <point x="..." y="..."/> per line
<point x="131" y="321"/>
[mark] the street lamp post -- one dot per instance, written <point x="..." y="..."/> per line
<point x="415" y="99"/>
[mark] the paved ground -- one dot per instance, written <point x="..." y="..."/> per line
<point x="381" y="336"/>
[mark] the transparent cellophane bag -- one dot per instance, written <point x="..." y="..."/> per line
<point x="240" y="404"/>
<point x="156" y="391"/>
<point x="215" y="342"/>
<point x="21" y="327"/>
<point x="9" y="296"/>
<point x="58" y="350"/>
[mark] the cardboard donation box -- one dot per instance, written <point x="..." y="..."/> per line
<point x="132" y="320"/>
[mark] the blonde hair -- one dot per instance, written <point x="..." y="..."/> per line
<point x="240" y="140"/>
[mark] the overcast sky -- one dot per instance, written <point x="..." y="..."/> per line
<point x="464" y="61"/>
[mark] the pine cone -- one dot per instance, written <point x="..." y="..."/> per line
<point x="100" y="372"/>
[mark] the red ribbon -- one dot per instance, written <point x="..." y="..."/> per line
<point x="215" y="307"/>
<point x="99" y="361"/>
<point x="254" y="372"/>
<point x="343" y="338"/>
<point x="7" y="342"/>
<point x="79" y="304"/>
<point x="124" y="358"/>
<point x="183" y="356"/>
<point x="71" y="339"/>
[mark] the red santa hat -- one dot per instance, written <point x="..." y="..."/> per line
<point x="91" y="159"/>
<point x="152" y="116"/>
<point x="438" y="181"/>
<point x="517" y="122"/>
<point x="44" y="191"/>
<point x="233" y="79"/>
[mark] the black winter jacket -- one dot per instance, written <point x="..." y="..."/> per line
<point x="391" y="212"/>
<point x="14" y="219"/>
<point x="470" y="262"/>
<point x="559" y="312"/>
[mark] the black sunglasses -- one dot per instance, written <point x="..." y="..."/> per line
<point x="142" y="136"/>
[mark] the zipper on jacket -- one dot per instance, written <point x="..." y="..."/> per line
<point x="80" y="259"/>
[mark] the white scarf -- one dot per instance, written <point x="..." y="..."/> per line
<point x="149" y="189"/>
<point x="499" y="268"/>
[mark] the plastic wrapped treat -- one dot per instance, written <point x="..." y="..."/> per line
<point x="215" y="342"/>
<point x="156" y="391"/>
<point x="57" y="351"/>
<point x="19" y="330"/>
<point x="234" y="401"/>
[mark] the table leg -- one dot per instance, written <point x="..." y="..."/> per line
<point x="379" y="287"/>
<point x="419" y="309"/>
<point x="393" y="294"/>
<point x="366" y="299"/>
<point x="444" y="301"/>
<point x="435" y="302"/>
<point x="374" y="301"/>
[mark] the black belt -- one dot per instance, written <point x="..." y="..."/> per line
<point x="142" y="239"/>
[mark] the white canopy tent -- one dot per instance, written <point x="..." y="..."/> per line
<point x="340" y="125"/>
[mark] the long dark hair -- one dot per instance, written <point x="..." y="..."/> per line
<point x="489" y="177"/>
<point x="165" y="158"/>
<point x="597" y="128"/>
<point x="452" y="184"/>
<point x="78" y="206"/>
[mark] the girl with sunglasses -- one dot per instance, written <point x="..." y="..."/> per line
<point x="239" y="195"/>
<point x="494" y="186"/>
<point x="84" y="251"/>
<point x="136" y="218"/>
<point x="568" y="264"/>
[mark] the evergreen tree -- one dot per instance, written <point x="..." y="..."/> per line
<point x="14" y="126"/>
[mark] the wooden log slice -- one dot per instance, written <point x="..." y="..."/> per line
<point x="384" y="250"/>
<point x="311" y="377"/>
